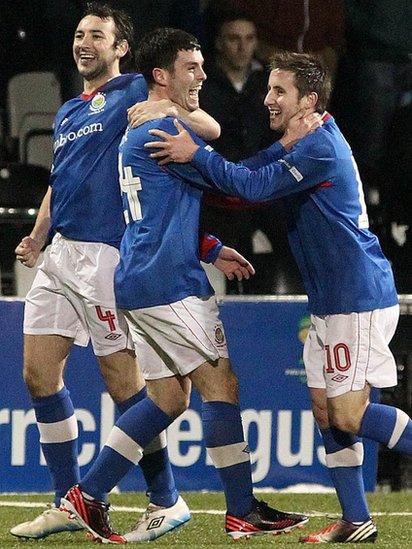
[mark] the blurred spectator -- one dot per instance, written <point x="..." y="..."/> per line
<point x="315" y="26"/>
<point x="233" y="94"/>
<point x="372" y="103"/>
<point x="236" y="87"/>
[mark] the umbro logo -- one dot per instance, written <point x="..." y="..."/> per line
<point x="339" y="378"/>
<point x="155" y="523"/>
<point x="113" y="337"/>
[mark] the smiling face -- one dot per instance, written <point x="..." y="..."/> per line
<point x="282" y="99"/>
<point x="183" y="84"/>
<point x="95" y="51"/>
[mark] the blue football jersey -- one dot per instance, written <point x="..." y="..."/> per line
<point x="86" y="203"/>
<point x="341" y="262"/>
<point x="159" y="252"/>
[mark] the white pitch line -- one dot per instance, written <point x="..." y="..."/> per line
<point x="125" y="509"/>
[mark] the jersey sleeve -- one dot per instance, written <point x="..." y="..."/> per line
<point x="265" y="157"/>
<point x="137" y="90"/>
<point x="209" y="247"/>
<point x="310" y="162"/>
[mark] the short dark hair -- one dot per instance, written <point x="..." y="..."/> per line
<point x="310" y="74"/>
<point x="159" y="49"/>
<point x="228" y="16"/>
<point x="123" y="29"/>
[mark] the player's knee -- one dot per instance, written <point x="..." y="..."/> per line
<point x="175" y="410"/>
<point x="227" y="391"/>
<point x="321" y="416"/>
<point x="179" y="408"/>
<point x="121" y="375"/>
<point x="173" y="407"/>
<point x="216" y="381"/>
<point x="31" y="381"/>
<point x="37" y="383"/>
<point x="347" y="421"/>
<point x="234" y="388"/>
<point x="179" y="405"/>
<point x="120" y="392"/>
<point x="320" y="408"/>
<point x="345" y="412"/>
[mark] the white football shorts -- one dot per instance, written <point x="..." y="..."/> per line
<point x="176" y="339"/>
<point x="72" y="295"/>
<point x="344" y="352"/>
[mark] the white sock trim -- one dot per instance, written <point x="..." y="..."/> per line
<point x="231" y="454"/>
<point x="121" y="443"/>
<point x="59" y="431"/>
<point x="402" y="420"/>
<point x="352" y="456"/>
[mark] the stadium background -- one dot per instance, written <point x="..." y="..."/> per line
<point x="36" y="36"/>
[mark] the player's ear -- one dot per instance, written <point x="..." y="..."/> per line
<point x="160" y="76"/>
<point x="122" y="47"/>
<point x="311" y="100"/>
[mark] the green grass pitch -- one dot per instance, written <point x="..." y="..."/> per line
<point x="392" y="512"/>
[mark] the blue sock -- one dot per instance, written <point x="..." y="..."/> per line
<point x="58" y="438"/>
<point x="155" y="464"/>
<point x="387" y="425"/>
<point x="124" y="448"/>
<point x="225" y="443"/>
<point x="344" y="457"/>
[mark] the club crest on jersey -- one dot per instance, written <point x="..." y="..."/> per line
<point x="219" y="335"/>
<point x="98" y="103"/>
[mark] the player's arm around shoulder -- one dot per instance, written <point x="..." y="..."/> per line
<point x="203" y="124"/>
<point x="315" y="157"/>
<point x="141" y="136"/>
<point x="172" y="129"/>
<point x="135" y="149"/>
<point x="198" y="120"/>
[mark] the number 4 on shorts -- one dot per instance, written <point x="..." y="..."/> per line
<point x="107" y="316"/>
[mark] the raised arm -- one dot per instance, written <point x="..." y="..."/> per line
<point x="199" y="121"/>
<point x="182" y="148"/>
<point x="303" y="167"/>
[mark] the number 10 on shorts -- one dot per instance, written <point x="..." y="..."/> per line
<point x="337" y="358"/>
